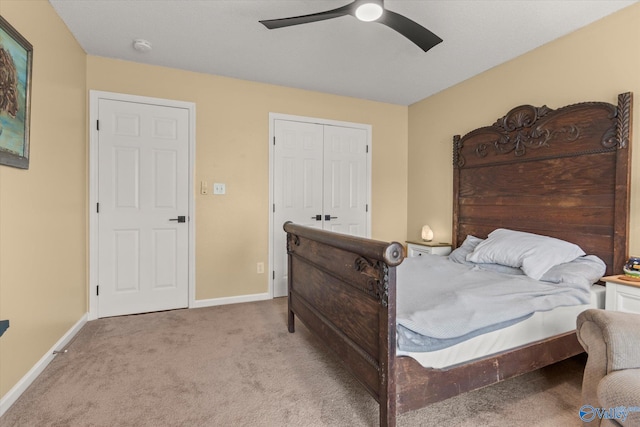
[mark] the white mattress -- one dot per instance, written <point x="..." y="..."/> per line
<point x="539" y="326"/>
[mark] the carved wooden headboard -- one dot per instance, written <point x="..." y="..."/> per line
<point x="563" y="173"/>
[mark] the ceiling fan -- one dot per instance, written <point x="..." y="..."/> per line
<point x="368" y="11"/>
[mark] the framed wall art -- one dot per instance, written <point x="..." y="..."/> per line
<point x="16" y="55"/>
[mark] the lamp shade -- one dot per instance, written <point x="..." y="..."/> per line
<point x="427" y="233"/>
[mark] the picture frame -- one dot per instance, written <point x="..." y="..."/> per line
<point x="16" y="58"/>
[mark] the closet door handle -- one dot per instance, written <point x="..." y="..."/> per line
<point x="180" y="218"/>
<point x="317" y="217"/>
<point x="329" y="217"/>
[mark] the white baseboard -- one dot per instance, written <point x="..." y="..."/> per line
<point x="17" y="390"/>
<point x="229" y="300"/>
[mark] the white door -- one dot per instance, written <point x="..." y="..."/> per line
<point x="297" y="192"/>
<point x="320" y="180"/>
<point x="143" y="182"/>
<point x="345" y="180"/>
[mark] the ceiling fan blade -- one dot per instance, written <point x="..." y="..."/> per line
<point x="415" y="32"/>
<point x="304" y="19"/>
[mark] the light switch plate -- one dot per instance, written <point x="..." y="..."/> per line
<point x="219" y="188"/>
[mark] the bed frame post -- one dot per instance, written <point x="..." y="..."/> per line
<point x="291" y="324"/>
<point x="387" y="337"/>
<point x="456" y="190"/>
<point x="623" y="180"/>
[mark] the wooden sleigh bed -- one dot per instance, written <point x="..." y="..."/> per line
<point x="562" y="173"/>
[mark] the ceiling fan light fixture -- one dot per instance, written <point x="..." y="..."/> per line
<point x="369" y="11"/>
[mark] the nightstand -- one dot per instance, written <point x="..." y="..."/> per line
<point x="418" y="248"/>
<point x="622" y="294"/>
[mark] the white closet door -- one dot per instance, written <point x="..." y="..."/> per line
<point x="345" y="180"/>
<point x="321" y="180"/>
<point x="297" y="192"/>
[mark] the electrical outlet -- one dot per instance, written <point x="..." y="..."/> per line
<point x="219" y="188"/>
<point x="260" y="268"/>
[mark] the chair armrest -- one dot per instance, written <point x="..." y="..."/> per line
<point x="618" y="332"/>
<point x="612" y="340"/>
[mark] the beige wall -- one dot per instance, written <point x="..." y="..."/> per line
<point x="43" y="209"/>
<point x="595" y="63"/>
<point x="232" y="147"/>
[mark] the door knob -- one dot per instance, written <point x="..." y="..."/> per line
<point x="180" y="218"/>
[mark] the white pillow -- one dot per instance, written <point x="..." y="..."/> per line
<point x="459" y="256"/>
<point x="533" y="253"/>
<point x="583" y="271"/>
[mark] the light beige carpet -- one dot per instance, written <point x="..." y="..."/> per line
<point x="237" y="365"/>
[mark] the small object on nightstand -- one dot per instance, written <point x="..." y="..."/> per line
<point x="427" y="233"/>
<point x="622" y="294"/>
<point x="417" y="248"/>
<point x="632" y="268"/>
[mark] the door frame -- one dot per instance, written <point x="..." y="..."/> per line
<point x="280" y="116"/>
<point x="94" y="97"/>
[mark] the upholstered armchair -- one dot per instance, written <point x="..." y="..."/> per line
<point x="611" y="383"/>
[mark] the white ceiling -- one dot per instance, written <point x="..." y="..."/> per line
<point x="340" y="56"/>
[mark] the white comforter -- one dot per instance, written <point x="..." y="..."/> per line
<point x="441" y="299"/>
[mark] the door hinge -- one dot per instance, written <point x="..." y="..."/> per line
<point x="273" y="275"/>
<point x="97" y="124"/>
<point x="98" y="290"/>
<point x="367" y="148"/>
<point x="274" y="207"/>
<point x="97" y="207"/>
<point x="274" y="140"/>
<point x="366" y="208"/>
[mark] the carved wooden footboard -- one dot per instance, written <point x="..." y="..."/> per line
<point x="343" y="289"/>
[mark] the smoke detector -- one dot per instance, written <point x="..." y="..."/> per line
<point x="142" y="45"/>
